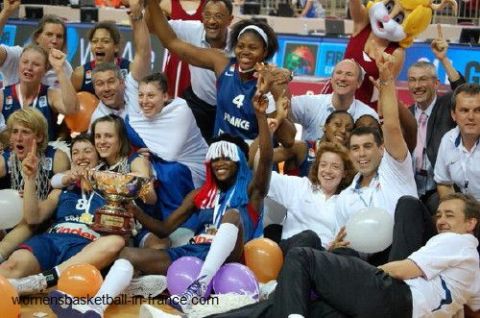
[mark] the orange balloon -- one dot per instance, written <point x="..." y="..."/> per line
<point x="80" y="121"/>
<point x="9" y="300"/>
<point x="264" y="257"/>
<point x="82" y="280"/>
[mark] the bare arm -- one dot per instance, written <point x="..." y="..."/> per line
<point x="140" y="166"/>
<point x="64" y="100"/>
<point x="258" y="187"/>
<point x="392" y="132"/>
<point x="444" y="190"/>
<point x="211" y="59"/>
<point x="9" y="7"/>
<point x="61" y="162"/>
<point x="308" y="6"/>
<point x="359" y="15"/>
<point x="163" y="229"/>
<point x="77" y="77"/>
<point x="439" y="48"/>
<point x="409" y="126"/>
<point x="141" y="40"/>
<point x="405" y="269"/>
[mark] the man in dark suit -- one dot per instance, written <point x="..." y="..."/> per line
<point x="432" y="113"/>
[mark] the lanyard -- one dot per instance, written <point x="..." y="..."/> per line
<point x="87" y="202"/>
<point x="358" y="190"/>
<point x="217" y="214"/>
<point x="20" y="97"/>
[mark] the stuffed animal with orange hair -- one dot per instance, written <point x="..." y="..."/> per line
<point x="386" y="26"/>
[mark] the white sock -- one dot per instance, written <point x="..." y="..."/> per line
<point x="117" y="279"/>
<point x="222" y="246"/>
<point x="295" y="316"/>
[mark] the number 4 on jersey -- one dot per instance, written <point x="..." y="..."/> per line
<point x="238" y="100"/>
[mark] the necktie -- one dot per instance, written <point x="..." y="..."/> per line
<point x="421" y="141"/>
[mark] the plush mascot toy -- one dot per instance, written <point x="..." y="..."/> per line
<point x="389" y="26"/>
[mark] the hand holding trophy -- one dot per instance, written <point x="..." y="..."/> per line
<point x="117" y="189"/>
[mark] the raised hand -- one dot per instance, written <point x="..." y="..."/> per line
<point x="260" y="102"/>
<point x="10" y="6"/>
<point x="56" y="58"/>
<point x="264" y="80"/>
<point x="439" y="45"/>
<point x="30" y="163"/>
<point x="385" y="64"/>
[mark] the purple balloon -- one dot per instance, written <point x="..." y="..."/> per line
<point x="235" y="278"/>
<point x="182" y="273"/>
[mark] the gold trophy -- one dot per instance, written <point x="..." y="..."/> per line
<point x="117" y="189"/>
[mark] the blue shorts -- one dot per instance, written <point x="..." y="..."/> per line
<point x="52" y="249"/>
<point x="196" y="250"/>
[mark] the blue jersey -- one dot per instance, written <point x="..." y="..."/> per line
<point x="46" y="164"/>
<point x="87" y="85"/>
<point x="174" y="182"/>
<point x="251" y="221"/>
<point x="235" y="113"/>
<point x="72" y="204"/>
<point x="12" y="103"/>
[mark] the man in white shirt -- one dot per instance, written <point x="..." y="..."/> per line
<point x="51" y="32"/>
<point x="113" y="91"/>
<point x="436" y="280"/>
<point x="459" y="154"/>
<point x="211" y="32"/>
<point x="311" y="111"/>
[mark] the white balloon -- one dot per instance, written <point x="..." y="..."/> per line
<point x="11" y="208"/>
<point x="370" y="230"/>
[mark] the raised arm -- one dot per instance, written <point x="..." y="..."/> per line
<point x="34" y="210"/>
<point x="258" y="187"/>
<point x="64" y="100"/>
<point x="359" y="15"/>
<point x="9" y="7"/>
<point x="439" y="48"/>
<point x="141" y="40"/>
<point x="392" y="132"/>
<point x="211" y="59"/>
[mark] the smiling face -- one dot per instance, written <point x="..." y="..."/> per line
<point x="451" y="218"/>
<point x="102" y="46"/>
<point x="345" y="78"/>
<point x="22" y="139"/>
<point x="365" y="154"/>
<point x="224" y="171"/>
<point x="151" y="99"/>
<point x="250" y="49"/>
<point x="330" y="172"/>
<point x="109" y="88"/>
<point x="216" y="19"/>
<point x="52" y="36"/>
<point x="84" y="155"/>
<point x="32" y="67"/>
<point x="107" y="141"/>
<point x="339" y="128"/>
<point x="422" y="84"/>
<point x="467" y="115"/>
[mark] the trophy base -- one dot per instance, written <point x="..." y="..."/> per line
<point x="117" y="222"/>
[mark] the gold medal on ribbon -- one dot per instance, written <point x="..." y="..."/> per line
<point x="86" y="218"/>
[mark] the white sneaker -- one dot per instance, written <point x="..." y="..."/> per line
<point x="148" y="311"/>
<point x="32" y="284"/>
<point x="148" y="286"/>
